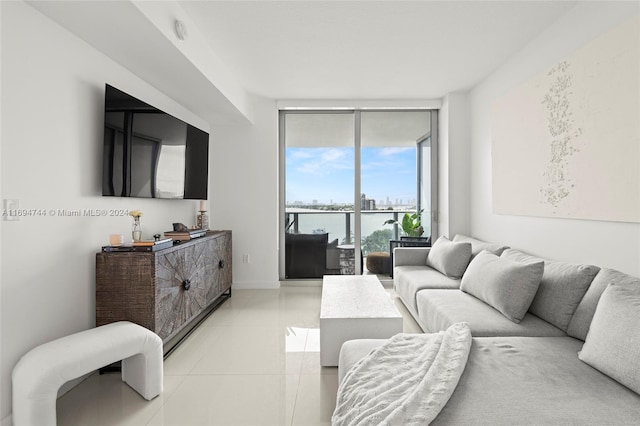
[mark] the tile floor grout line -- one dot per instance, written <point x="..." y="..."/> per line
<point x="161" y="405"/>
<point x="307" y="389"/>
<point x="295" y="401"/>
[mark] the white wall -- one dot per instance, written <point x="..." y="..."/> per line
<point x="607" y="244"/>
<point x="52" y="117"/>
<point x="245" y="180"/>
<point x="453" y="166"/>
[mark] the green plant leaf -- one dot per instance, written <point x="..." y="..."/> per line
<point x="411" y="224"/>
<point x="407" y="223"/>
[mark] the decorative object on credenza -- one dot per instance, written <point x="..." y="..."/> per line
<point x="183" y="233"/>
<point x="202" y="220"/>
<point x="136" y="229"/>
<point x="180" y="227"/>
<point x="116" y="239"/>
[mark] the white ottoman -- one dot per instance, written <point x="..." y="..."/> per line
<point x="41" y="371"/>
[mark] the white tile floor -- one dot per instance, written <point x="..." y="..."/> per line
<point x="254" y="361"/>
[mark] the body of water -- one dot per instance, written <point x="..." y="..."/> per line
<point x="335" y="223"/>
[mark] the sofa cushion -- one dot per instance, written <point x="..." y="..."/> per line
<point x="449" y="258"/>
<point x="353" y="351"/>
<point x="579" y="325"/>
<point x="540" y="381"/>
<point x="561" y="288"/>
<point x="477" y="245"/>
<point x="439" y="309"/>
<point x="507" y="285"/>
<point x="613" y="342"/>
<point x="409" y="279"/>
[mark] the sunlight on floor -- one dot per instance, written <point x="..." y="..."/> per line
<point x="254" y="361"/>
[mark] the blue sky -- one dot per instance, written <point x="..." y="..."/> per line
<point x="326" y="174"/>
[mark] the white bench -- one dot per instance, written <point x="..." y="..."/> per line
<point x="42" y="371"/>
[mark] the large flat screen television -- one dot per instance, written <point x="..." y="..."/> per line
<point x="149" y="153"/>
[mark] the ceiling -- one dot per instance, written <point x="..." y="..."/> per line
<point x="311" y="50"/>
<point x="368" y="49"/>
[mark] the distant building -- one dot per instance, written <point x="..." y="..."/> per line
<point x="367" y="203"/>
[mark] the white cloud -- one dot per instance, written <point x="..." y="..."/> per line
<point x="386" y="152"/>
<point x="324" y="161"/>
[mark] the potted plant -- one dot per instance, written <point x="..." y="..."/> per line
<point x="410" y="224"/>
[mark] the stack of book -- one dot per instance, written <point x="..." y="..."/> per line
<point x="145" y="245"/>
<point x="118" y="248"/>
<point x="153" y="245"/>
<point x="185" y="235"/>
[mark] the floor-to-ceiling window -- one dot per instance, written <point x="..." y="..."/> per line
<point x="347" y="179"/>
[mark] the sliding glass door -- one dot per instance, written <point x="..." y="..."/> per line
<point x="344" y="177"/>
<point x="388" y="174"/>
<point x="319" y="161"/>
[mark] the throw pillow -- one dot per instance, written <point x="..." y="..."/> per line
<point x="613" y="341"/>
<point x="506" y="285"/>
<point x="449" y="258"/>
<point x="579" y="325"/>
<point x="562" y="287"/>
<point x="477" y="245"/>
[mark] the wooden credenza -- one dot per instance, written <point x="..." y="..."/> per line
<point x="168" y="291"/>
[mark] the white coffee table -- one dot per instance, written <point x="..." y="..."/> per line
<point x="354" y="307"/>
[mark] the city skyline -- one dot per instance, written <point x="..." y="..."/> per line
<point x="326" y="175"/>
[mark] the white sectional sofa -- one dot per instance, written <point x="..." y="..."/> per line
<point x="553" y="342"/>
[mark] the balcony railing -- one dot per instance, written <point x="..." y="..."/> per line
<point x="339" y="224"/>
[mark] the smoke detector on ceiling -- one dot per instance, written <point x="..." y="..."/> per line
<point x="181" y="30"/>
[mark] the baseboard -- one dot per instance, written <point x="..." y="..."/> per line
<point x="385" y="280"/>
<point x="249" y="285"/>
<point x="315" y="282"/>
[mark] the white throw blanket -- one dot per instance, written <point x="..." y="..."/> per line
<point x="406" y="381"/>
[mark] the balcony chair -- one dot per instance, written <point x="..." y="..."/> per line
<point x="310" y="256"/>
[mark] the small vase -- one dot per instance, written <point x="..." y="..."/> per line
<point x="136" y="229"/>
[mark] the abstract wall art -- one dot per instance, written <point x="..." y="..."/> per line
<point x="566" y="143"/>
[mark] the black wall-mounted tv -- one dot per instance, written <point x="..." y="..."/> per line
<point x="149" y="153"/>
